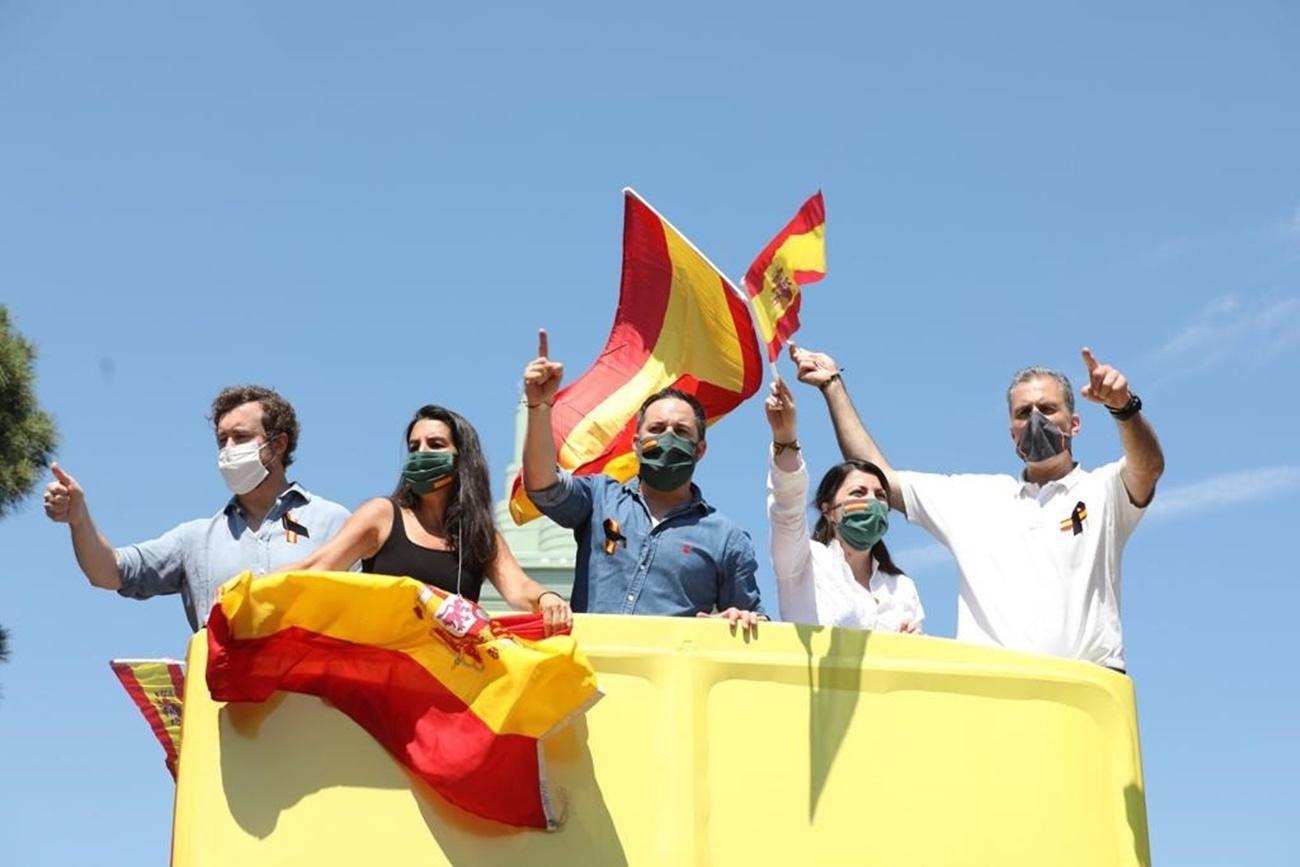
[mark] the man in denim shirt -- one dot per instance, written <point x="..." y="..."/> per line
<point x="268" y="523"/>
<point x="652" y="545"/>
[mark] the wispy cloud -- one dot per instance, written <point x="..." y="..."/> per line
<point x="1234" y="328"/>
<point x="1244" y="486"/>
<point x="1168" y="250"/>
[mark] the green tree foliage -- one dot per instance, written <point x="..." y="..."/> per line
<point x="27" y="435"/>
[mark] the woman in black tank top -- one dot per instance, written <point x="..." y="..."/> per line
<point x="439" y="567"/>
<point x="437" y="526"/>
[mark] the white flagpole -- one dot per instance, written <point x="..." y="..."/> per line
<point x="771" y="365"/>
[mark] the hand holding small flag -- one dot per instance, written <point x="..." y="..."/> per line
<point x="815" y="368"/>
<point x="781" y="413"/>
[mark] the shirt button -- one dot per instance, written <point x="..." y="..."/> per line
<point x="630" y="597"/>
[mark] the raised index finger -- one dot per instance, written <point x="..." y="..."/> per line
<point x="542" y="349"/>
<point x="61" y="475"/>
<point x="1089" y="360"/>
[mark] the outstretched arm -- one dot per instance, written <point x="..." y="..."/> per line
<point x="360" y="538"/>
<point x="856" y="442"/>
<point x="1145" y="461"/>
<point x="65" y="502"/>
<point x="524" y="594"/>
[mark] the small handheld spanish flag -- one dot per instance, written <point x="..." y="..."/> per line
<point x="157" y="687"/>
<point x="792" y="260"/>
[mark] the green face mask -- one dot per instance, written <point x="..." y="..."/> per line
<point x="428" y="471"/>
<point x="667" y="461"/>
<point x="863" y="524"/>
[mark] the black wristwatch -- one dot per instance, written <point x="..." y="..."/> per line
<point x="1128" y="410"/>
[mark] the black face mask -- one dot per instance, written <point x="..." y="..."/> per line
<point x="1040" y="440"/>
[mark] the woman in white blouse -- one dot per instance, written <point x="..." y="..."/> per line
<point x="841" y="574"/>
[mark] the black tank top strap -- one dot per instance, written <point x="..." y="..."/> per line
<point x="395" y="531"/>
<point x="398" y="530"/>
<point x="400" y="556"/>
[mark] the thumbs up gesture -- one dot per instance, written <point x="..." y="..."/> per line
<point x="1106" y="385"/>
<point x="542" y="376"/>
<point x="65" y="501"/>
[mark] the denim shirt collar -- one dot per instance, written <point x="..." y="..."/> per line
<point x="697" y="501"/>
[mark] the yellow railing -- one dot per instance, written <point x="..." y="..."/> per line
<point x="800" y="746"/>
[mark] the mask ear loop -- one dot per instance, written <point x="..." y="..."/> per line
<point x="460" y="559"/>
<point x="460" y="552"/>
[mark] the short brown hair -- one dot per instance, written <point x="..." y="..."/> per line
<point x="278" y="416"/>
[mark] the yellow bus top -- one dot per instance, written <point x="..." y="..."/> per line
<point x="800" y="745"/>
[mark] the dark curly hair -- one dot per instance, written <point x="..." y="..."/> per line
<point x="468" y="522"/>
<point x="278" y="416"/>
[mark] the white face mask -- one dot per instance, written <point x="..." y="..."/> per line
<point x="241" y="466"/>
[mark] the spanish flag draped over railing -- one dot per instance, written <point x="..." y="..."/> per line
<point x="680" y="322"/>
<point x="792" y="260"/>
<point x="461" y="699"/>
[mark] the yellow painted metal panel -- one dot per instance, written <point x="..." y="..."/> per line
<point x="803" y="745"/>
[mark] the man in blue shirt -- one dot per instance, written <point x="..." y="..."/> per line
<point x="270" y="522"/>
<point x="652" y="545"/>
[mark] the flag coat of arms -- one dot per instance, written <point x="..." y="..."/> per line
<point x="157" y="687"/>
<point x="461" y="699"/>
<point x="792" y="260"/>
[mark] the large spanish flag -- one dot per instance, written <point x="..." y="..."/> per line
<point x="679" y="323"/>
<point x="792" y="260"/>
<point x="461" y="699"/>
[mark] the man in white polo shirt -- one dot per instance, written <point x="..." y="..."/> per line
<point x="1039" y="555"/>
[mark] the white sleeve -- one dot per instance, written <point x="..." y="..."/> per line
<point x="933" y="502"/>
<point x="1118" y="501"/>
<point x="909" y="599"/>
<point x="787" y="516"/>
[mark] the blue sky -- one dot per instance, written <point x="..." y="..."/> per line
<point x="374" y="207"/>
